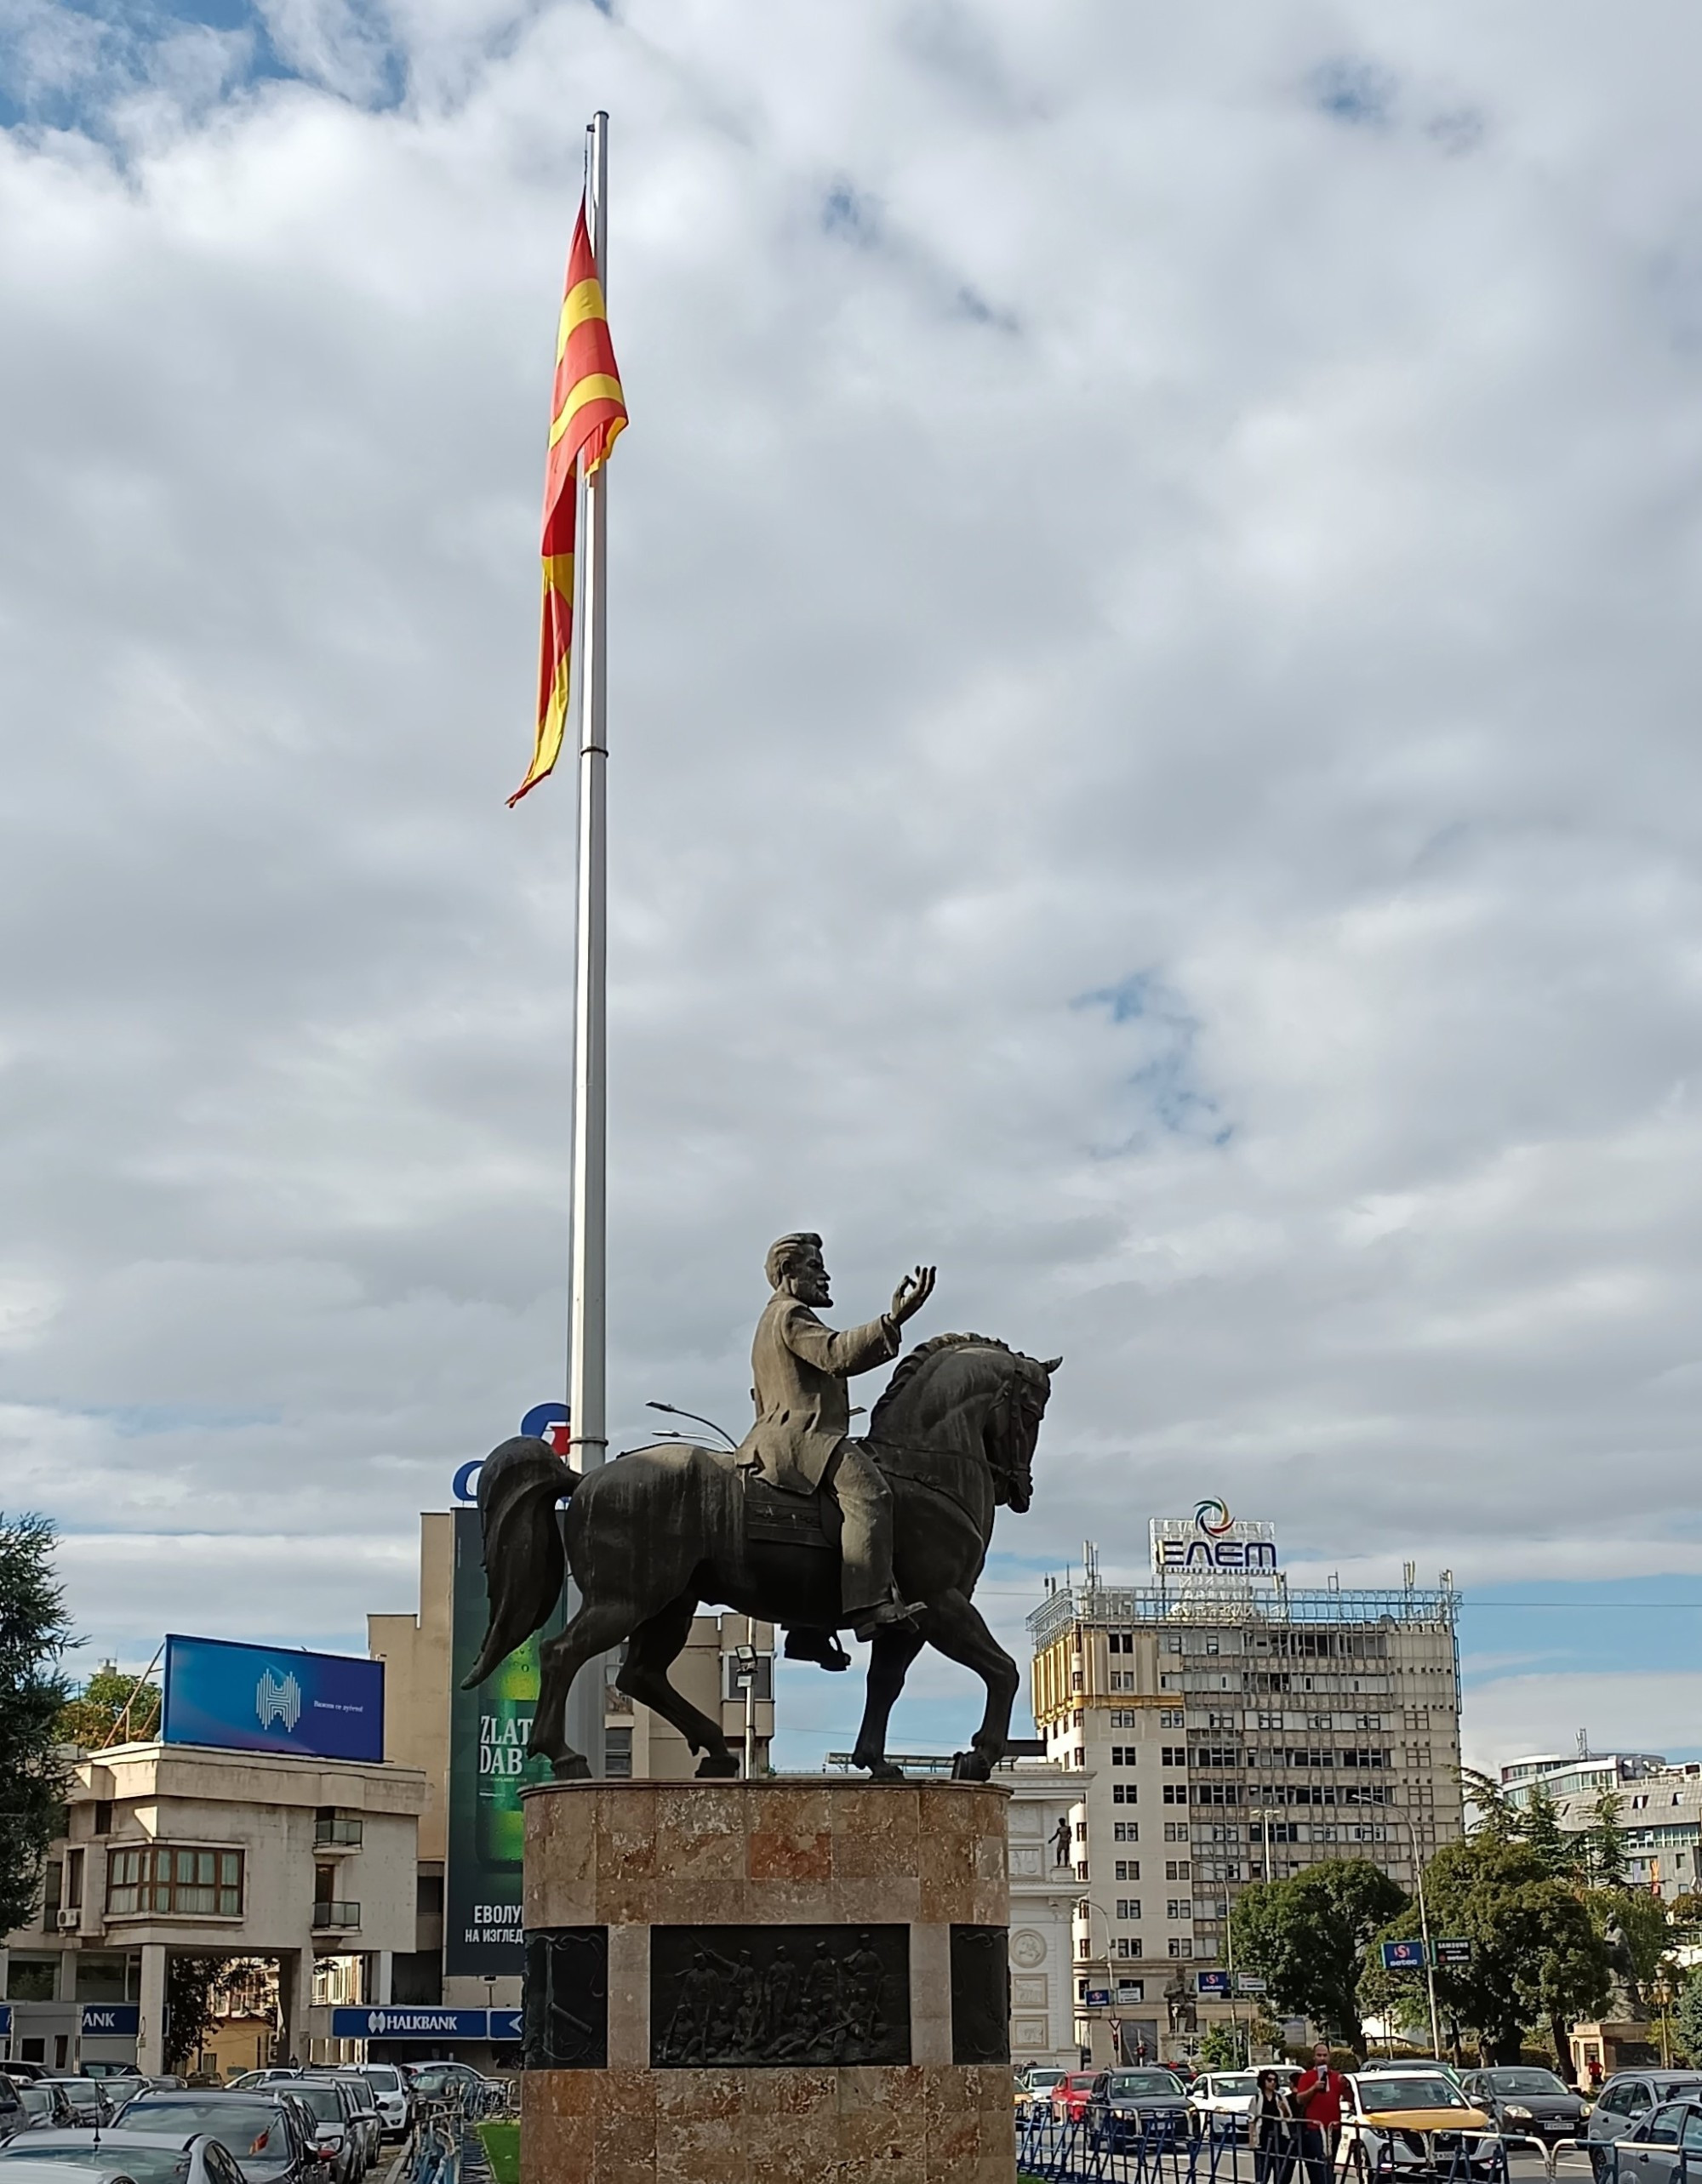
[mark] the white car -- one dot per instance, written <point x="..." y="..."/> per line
<point x="1220" y="2101"/>
<point x="389" y="2090"/>
<point x="1409" y="2122"/>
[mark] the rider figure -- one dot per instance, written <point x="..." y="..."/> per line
<point x="803" y="1416"/>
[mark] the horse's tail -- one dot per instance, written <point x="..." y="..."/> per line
<point x="524" y="1564"/>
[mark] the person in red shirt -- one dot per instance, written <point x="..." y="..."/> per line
<point x="1318" y="2094"/>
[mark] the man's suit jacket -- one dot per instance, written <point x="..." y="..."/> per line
<point x="803" y="1408"/>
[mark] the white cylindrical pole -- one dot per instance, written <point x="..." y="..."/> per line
<point x="586" y="1336"/>
<point x="1424" y="1936"/>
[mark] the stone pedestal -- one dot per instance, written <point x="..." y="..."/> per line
<point x="784" y="1981"/>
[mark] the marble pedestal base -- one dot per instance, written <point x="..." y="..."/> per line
<point x="787" y="1982"/>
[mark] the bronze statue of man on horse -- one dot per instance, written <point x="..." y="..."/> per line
<point x="800" y="1526"/>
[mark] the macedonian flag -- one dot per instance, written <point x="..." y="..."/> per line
<point x="587" y="414"/>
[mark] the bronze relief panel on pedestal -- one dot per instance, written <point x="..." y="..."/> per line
<point x="763" y="1997"/>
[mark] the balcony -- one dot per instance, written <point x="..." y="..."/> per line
<point x="338" y="1834"/>
<point x="336" y="1917"/>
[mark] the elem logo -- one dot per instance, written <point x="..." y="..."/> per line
<point x="278" y="1698"/>
<point x="1211" y="1542"/>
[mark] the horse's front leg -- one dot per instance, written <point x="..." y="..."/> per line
<point x="599" y="1627"/>
<point x="890" y="1655"/>
<point x="955" y="1627"/>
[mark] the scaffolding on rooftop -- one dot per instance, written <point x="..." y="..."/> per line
<point x="1228" y="1602"/>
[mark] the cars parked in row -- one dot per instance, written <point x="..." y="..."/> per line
<point x="1664" y="2144"/>
<point x="1629" y="2099"/>
<point x="268" y="2135"/>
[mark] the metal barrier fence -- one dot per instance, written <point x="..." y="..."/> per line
<point x="1098" y="2145"/>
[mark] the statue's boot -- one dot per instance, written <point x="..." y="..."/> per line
<point x="895" y="1611"/>
<point x="821" y="1646"/>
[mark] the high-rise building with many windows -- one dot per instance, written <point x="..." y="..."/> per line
<point x="1232" y="1728"/>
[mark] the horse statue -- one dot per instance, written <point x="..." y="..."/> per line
<point x="652" y="1534"/>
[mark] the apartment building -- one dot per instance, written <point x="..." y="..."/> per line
<point x="1659" y="1809"/>
<point x="1229" y="1728"/>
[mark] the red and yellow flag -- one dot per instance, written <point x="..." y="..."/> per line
<point x="587" y="413"/>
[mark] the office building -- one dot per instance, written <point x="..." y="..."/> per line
<point x="1228" y="1728"/>
<point x="1659" y="1809"/>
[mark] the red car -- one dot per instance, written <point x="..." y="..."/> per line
<point x="1070" y="2095"/>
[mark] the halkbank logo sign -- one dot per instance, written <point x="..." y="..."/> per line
<point x="1212" y="1543"/>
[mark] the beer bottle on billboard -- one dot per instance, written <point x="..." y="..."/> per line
<point x="508" y="1699"/>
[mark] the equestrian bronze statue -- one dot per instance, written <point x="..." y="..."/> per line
<point x="799" y="1525"/>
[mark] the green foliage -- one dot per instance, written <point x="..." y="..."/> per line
<point x="91" y="1716"/>
<point x="1642" y="1920"/>
<point x="1488" y="1802"/>
<point x="1223" y="2047"/>
<point x="1308" y="1938"/>
<point x="1604" y="1845"/>
<point x="1686" y="2017"/>
<point x="34" y="1631"/>
<point x="1561" y="1853"/>
<point x="1537" y="1957"/>
<point x="191" y="1985"/>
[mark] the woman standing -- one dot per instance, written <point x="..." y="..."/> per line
<point x="1274" y="2131"/>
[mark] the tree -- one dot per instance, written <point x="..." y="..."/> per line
<point x="1604" y="1843"/>
<point x="1308" y="1938"/>
<point x="1223" y="2047"/>
<point x="34" y="1631"/>
<point x="1687" y="2018"/>
<point x="1638" y="1932"/>
<point x="1536" y="1955"/>
<point x="1542" y="1830"/>
<point x="91" y="1717"/>
<point x="1495" y="1815"/>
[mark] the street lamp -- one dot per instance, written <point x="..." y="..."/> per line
<point x="1425" y="1931"/>
<point x="744" y="1672"/>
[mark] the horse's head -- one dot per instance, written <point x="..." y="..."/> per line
<point x="975" y="1387"/>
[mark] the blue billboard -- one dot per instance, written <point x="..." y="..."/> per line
<point x="265" y="1698"/>
<point x="1403" y="1956"/>
<point x="391" y="2021"/>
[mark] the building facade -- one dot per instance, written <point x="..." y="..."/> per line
<point x="1226" y="1729"/>
<point x="173" y="1849"/>
<point x="1659" y="1809"/>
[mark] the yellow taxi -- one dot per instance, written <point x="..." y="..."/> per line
<point x="1413" y="2125"/>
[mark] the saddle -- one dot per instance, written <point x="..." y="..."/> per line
<point x="778" y="1519"/>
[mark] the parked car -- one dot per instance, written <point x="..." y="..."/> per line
<point x="95" y="2168"/>
<point x="146" y="2157"/>
<point x="1125" y="2107"/>
<point x="1627" y="2097"/>
<point x="337" y="2138"/>
<point x="18" y="2072"/>
<point x="262" y="2131"/>
<point x="1408" y="2123"/>
<point x="89" y="2096"/>
<point x="46" y="2107"/>
<point x="369" y="2122"/>
<point x="103" y="2070"/>
<point x="1533" y="2103"/>
<point x="274" y="2074"/>
<point x="1666" y="2143"/>
<point x="1220" y="2100"/>
<point x="390" y="2092"/>
<point x="1034" y="2086"/>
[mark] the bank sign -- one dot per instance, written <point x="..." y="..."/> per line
<point x="267" y="1698"/>
<point x="1212" y="1543"/>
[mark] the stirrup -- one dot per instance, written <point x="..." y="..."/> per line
<point x="891" y="1614"/>
<point x="820" y="1646"/>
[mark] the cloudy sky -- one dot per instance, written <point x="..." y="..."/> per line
<point x="1154" y="679"/>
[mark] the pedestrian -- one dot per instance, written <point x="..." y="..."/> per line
<point x="1318" y="2096"/>
<point x="1274" y="2131"/>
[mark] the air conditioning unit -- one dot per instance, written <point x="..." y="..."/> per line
<point x="69" y="1921"/>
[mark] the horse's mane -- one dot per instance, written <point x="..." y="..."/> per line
<point x="910" y="1366"/>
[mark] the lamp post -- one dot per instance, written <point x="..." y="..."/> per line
<point x="744" y="1672"/>
<point x="1425" y="1931"/>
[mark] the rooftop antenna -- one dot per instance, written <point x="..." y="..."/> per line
<point x="1409" y="1575"/>
<point x="1090" y="1563"/>
<point x="1583" y="1743"/>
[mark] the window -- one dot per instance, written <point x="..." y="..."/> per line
<point x="1270" y="1721"/>
<point x="1178" y="1906"/>
<point x="1173" y="1643"/>
<point x="1128" y="1945"/>
<point x="1125" y="1717"/>
<point x="1080" y="1831"/>
<point x="1662" y="2127"/>
<point x="1127" y="1869"/>
<point x="1173" y="1755"/>
<point x="103" y="1815"/>
<point x="1120" y="1641"/>
<point x="617" y="1749"/>
<point x="1217" y="1755"/>
<point x="31" y="1979"/>
<point x="1084" y="1948"/>
<point x="1178" y="1868"/>
<point x="73" y="1881"/>
<point x="1124" y="1793"/>
<point x="1181" y="1946"/>
<point x="158" y="1877"/>
<point x="1212" y="1642"/>
<point x="1175" y="1831"/>
<point x="1125" y="1831"/>
<point x="52" y="1892"/>
<point x="1175" y="1792"/>
<point x="1125" y="1755"/>
<point x="1082" y="1870"/>
<point x="1221" y="1721"/>
<point x="1128" y="1906"/>
<point x="1170" y="1717"/>
<point x="107" y="1976"/>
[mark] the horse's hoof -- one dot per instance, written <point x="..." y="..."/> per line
<point x="879" y="1768"/>
<point x="571" y="1767"/>
<point x="717" y="1767"/>
<point x="971" y="1767"/>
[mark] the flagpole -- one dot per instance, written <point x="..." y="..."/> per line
<point x="586" y="1335"/>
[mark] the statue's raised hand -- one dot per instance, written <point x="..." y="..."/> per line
<point x="912" y="1294"/>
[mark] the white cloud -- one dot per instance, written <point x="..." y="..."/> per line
<point x="1112" y="509"/>
<point x="1511" y="1717"/>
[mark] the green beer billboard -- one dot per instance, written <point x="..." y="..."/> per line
<point x="489" y="1732"/>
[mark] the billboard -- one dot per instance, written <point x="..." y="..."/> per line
<point x="1403" y="1956"/>
<point x="489" y="1732"/>
<point x="267" y="1698"/>
<point x="394" y="2021"/>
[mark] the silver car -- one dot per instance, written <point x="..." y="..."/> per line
<point x="145" y="2157"/>
<point x="1667" y="2143"/>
